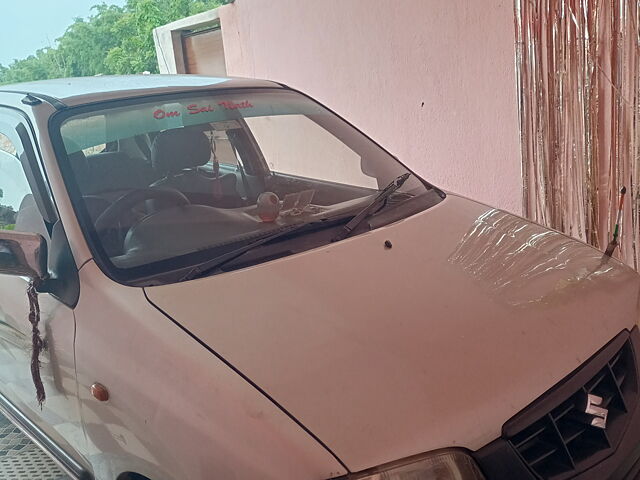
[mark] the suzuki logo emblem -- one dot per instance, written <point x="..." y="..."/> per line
<point x="596" y="411"/>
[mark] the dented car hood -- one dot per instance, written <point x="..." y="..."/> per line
<point x="384" y="353"/>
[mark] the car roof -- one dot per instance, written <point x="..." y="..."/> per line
<point x="83" y="90"/>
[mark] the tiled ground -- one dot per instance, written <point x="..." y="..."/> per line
<point x="20" y="459"/>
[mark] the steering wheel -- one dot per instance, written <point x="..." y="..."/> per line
<point x="109" y="218"/>
<point x="95" y="205"/>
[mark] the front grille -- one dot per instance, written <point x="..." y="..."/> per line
<point x="560" y="441"/>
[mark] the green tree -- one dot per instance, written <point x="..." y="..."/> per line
<point x="84" y="47"/>
<point x="113" y="40"/>
<point x="7" y="215"/>
<point x="43" y="64"/>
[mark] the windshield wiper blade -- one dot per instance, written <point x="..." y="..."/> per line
<point x="213" y="264"/>
<point x="373" y="207"/>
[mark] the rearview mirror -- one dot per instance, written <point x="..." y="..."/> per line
<point x="23" y="254"/>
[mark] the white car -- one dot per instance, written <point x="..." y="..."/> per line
<point x="233" y="282"/>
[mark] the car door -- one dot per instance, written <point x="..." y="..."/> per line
<point x="23" y="198"/>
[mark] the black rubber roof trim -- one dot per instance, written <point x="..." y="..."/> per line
<point x="54" y="102"/>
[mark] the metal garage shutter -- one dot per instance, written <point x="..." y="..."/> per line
<point x="204" y="52"/>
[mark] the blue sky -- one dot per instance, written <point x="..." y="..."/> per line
<point x="28" y="25"/>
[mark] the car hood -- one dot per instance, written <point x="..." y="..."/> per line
<point x="385" y="352"/>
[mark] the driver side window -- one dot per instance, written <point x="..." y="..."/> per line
<point x="296" y="145"/>
<point x="18" y="210"/>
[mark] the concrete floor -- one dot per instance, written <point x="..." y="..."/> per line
<point x="20" y="459"/>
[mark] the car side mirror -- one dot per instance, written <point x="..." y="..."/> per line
<point x="23" y="254"/>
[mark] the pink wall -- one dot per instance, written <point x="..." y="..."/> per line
<point x="377" y="61"/>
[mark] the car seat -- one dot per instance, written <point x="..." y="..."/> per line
<point x="176" y="156"/>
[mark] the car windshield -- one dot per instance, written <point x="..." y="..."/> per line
<point x="166" y="183"/>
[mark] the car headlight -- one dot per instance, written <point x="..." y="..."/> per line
<point x="439" y="465"/>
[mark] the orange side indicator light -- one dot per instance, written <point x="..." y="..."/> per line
<point x="100" y="392"/>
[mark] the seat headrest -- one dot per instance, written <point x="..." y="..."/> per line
<point x="175" y="150"/>
<point x="110" y="170"/>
